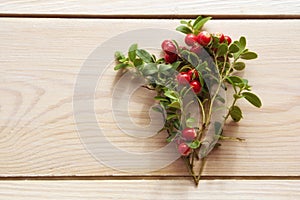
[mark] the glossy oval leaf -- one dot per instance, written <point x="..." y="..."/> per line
<point x="248" y="55"/>
<point x="239" y="66"/>
<point x="184" y="29"/>
<point x="235" y="113"/>
<point x="253" y="99"/>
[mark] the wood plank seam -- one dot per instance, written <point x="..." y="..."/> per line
<point x="129" y="16"/>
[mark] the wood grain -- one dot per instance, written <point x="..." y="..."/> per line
<point x="147" y="7"/>
<point x="155" y="189"/>
<point x="41" y="58"/>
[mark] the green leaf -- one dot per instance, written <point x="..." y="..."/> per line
<point x="189" y="122"/>
<point x="236" y="80"/>
<point x="249" y="55"/>
<point x="235" y="113"/>
<point x="120" y="66"/>
<point x="184" y="22"/>
<point x="233" y="48"/>
<point x="157" y="109"/>
<point x="184" y="29"/>
<point x="221" y="99"/>
<point x="164" y="67"/>
<point x="200" y="23"/>
<point x="252" y="98"/>
<point x="195" y="144"/>
<point x="218" y="128"/>
<point x="172" y="116"/>
<point x="176" y="64"/>
<point x="172" y="136"/>
<point x="239" y="66"/>
<point x="119" y="55"/>
<point x="138" y="62"/>
<point x="193" y="59"/>
<point x="175" y="104"/>
<point x="197" y="20"/>
<point x="161" y="98"/>
<point x="132" y="52"/>
<point x="242" y="42"/>
<point x="222" y="49"/>
<point x="171" y="94"/>
<point x="150" y="69"/>
<point x="184" y="54"/>
<point x="144" y="55"/>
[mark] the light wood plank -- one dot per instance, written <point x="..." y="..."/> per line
<point x="40" y="59"/>
<point x="147" y="7"/>
<point x="150" y="189"/>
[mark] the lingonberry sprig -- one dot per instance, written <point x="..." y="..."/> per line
<point x="192" y="71"/>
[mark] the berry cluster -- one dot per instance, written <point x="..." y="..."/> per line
<point x="187" y="135"/>
<point x="190" y="77"/>
<point x="208" y="60"/>
<point x="197" y="43"/>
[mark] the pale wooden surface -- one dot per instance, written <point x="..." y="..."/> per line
<point x="150" y="189"/>
<point x="40" y="59"/>
<point x="39" y="62"/>
<point x="152" y="7"/>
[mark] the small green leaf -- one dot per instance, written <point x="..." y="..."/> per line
<point x="193" y="59"/>
<point x="161" y="98"/>
<point x="233" y="48"/>
<point x="164" y="67"/>
<point x="252" y="98"/>
<point x="183" y="22"/>
<point x="119" y="55"/>
<point x="172" y="116"/>
<point x="235" y="113"/>
<point x="239" y="66"/>
<point x="197" y="20"/>
<point x="172" y="136"/>
<point x="236" y="80"/>
<point x="132" y="52"/>
<point x="175" y="104"/>
<point x="144" y="55"/>
<point x="195" y="144"/>
<point x="171" y="94"/>
<point x="221" y="99"/>
<point x="222" y="49"/>
<point x="242" y="42"/>
<point x="150" y="69"/>
<point x="120" y="66"/>
<point x="137" y="62"/>
<point x="184" y="29"/>
<point x="218" y="128"/>
<point x="249" y="55"/>
<point x="200" y="23"/>
<point x="176" y="64"/>
<point x="157" y="109"/>
<point x="189" y="122"/>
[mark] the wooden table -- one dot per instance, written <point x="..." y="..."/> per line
<point x="45" y="43"/>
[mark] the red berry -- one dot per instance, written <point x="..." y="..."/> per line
<point x="196" y="86"/>
<point x="196" y="49"/>
<point x="183" y="78"/>
<point x="184" y="149"/>
<point x="168" y="47"/>
<point x="190" y="39"/>
<point x="220" y="36"/>
<point x="170" y="58"/>
<point x="204" y="38"/>
<point x="189" y="134"/>
<point x="193" y="74"/>
<point x="228" y="39"/>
